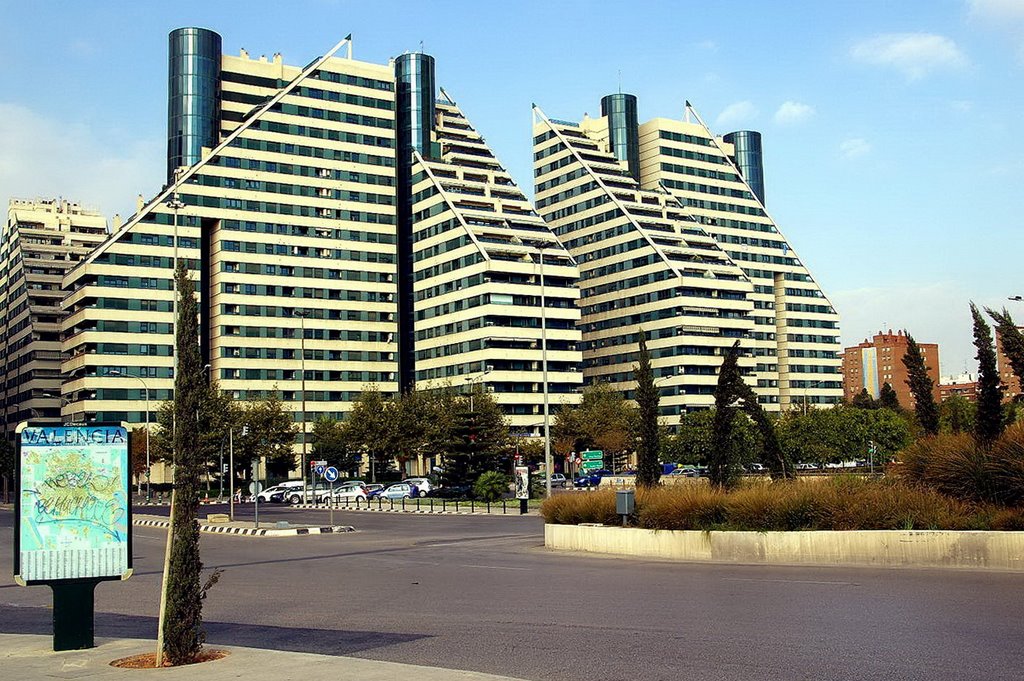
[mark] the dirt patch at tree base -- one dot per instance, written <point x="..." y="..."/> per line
<point x="148" y="660"/>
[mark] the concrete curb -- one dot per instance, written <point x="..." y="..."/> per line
<point x="966" y="549"/>
<point x="252" y="531"/>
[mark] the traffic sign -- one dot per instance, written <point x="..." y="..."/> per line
<point x="319" y="469"/>
<point x="255" y="487"/>
<point x="330" y="474"/>
<point x="591" y="465"/>
<point x="593" y="455"/>
<point x="577" y="461"/>
<point x="313" y="464"/>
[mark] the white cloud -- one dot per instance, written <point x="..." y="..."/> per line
<point x="791" y="113"/>
<point x="915" y="55"/>
<point x="707" y="45"/>
<point x="997" y="10"/>
<point x="45" y="157"/>
<point x="854" y="147"/>
<point x="736" y="113"/>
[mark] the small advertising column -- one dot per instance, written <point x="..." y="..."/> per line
<point x="72" y="519"/>
<point x="522" y="487"/>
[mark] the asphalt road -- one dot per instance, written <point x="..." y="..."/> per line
<point x="481" y="593"/>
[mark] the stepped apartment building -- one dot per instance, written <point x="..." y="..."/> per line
<point x="41" y="240"/>
<point x="668" y="224"/>
<point x="290" y="197"/>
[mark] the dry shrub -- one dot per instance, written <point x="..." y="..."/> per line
<point x="956" y="465"/>
<point x="689" y="507"/>
<point x="840" y="503"/>
<point x="580" y="507"/>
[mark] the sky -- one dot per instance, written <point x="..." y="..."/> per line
<point x="892" y="130"/>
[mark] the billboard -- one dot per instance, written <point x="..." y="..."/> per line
<point x="73" y="504"/>
<point x="522" y="482"/>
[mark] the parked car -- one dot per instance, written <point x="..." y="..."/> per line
<point x="757" y="468"/>
<point x="373" y="489"/>
<point x="422" y="484"/>
<point x="399" y="490"/>
<point x="452" y="492"/>
<point x="587" y="480"/>
<point x="558" y="480"/>
<point x="687" y="471"/>
<point x="807" y="466"/>
<point x="280" y="490"/>
<point x="345" y="493"/>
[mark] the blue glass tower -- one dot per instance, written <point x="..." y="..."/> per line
<point x="193" y="90"/>
<point x="749" y="159"/>
<point x="623" y="130"/>
<point x="414" y="110"/>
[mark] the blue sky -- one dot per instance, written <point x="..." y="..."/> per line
<point x="893" y="130"/>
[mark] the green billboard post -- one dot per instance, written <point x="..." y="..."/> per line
<point x="72" y="519"/>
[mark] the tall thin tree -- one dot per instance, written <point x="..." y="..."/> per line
<point x="723" y="467"/>
<point x="921" y="387"/>
<point x="989" y="424"/>
<point x="648" y="469"/>
<point x="887" y="398"/>
<point x="183" y="632"/>
<point x="1012" y="340"/>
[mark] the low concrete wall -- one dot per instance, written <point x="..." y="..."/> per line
<point x="878" y="548"/>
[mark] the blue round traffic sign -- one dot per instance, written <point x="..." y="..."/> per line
<point x="319" y="470"/>
<point x="330" y="474"/>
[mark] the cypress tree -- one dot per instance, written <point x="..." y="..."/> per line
<point x="648" y="470"/>
<point x="1012" y="340"/>
<point x="864" y="400"/>
<point x="183" y="632"/>
<point x="989" y="424"/>
<point x="723" y="468"/>
<point x="887" y="398"/>
<point x="921" y="387"/>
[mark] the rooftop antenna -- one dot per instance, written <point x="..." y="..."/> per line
<point x="421" y="47"/>
<point x="620" y="81"/>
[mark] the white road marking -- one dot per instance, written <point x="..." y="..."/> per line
<point x="784" y="581"/>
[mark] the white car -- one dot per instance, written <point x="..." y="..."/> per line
<point x="346" y="492"/>
<point x="285" y="487"/>
<point x="422" y="484"/>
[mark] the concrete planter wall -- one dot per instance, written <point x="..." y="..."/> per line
<point x="878" y="548"/>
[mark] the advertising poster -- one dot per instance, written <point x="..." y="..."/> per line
<point x="522" y="482"/>
<point x="73" y="504"/>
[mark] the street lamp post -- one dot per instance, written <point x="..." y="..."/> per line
<point x="302" y="314"/>
<point x="472" y="380"/>
<point x="544" y="372"/>
<point x="146" y="387"/>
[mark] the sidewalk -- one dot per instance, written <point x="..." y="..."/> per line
<point x="26" y="656"/>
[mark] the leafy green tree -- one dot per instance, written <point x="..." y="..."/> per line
<point x="864" y="400"/>
<point x="648" y="469"/>
<point x="957" y="414"/>
<point x="328" y="444"/>
<point x="1012" y="340"/>
<point x="183" y="619"/>
<point x="407" y="416"/>
<point x="888" y="399"/>
<point x="366" y="430"/>
<point x="137" y="456"/>
<point x="692" y="442"/>
<point x="921" y="387"/>
<point x="989" y="422"/>
<point x="480" y="441"/>
<point x="823" y="436"/>
<point x="266" y="431"/>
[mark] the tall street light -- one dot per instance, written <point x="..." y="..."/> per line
<point x="302" y="314"/>
<point x="472" y="380"/>
<point x="146" y="387"/>
<point x="544" y="370"/>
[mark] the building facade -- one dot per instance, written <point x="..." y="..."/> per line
<point x="673" y="196"/>
<point x="345" y="228"/>
<point x="964" y="385"/>
<point x="873" y="363"/>
<point x="41" y="240"/>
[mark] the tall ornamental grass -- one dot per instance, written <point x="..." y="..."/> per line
<point x="840" y="503"/>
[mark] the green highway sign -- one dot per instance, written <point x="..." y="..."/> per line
<point x="591" y="465"/>
<point x="593" y="455"/>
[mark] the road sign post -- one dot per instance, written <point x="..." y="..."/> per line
<point x="330" y="475"/>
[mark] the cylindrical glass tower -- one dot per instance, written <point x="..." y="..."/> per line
<point x="623" y="130"/>
<point x="414" y="111"/>
<point x="749" y="158"/>
<point x="193" y="91"/>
